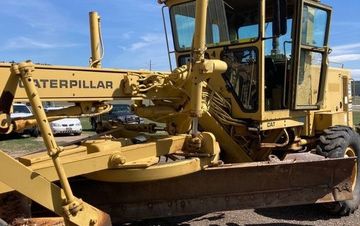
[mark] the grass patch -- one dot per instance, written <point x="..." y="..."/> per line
<point x="17" y="145"/>
<point x="86" y="125"/>
<point x="356" y="118"/>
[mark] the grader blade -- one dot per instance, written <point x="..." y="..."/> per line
<point x="229" y="187"/>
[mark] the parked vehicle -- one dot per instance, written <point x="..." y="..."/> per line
<point x="23" y="111"/>
<point x="121" y="113"/>
<point x="65" y="126"/>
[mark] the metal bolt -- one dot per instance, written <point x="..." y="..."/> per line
<point x="150" y="206"/>
<point x="182" y="204"/>
<point x="118" y="159"/>
<point x="93" y="221"/>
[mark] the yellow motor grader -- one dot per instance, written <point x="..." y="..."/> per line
<point x="252" y="116"/>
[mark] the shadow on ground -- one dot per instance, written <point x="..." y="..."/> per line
<point x="272" y="224"/>
<point x="13" y="136"/>
<point x="298" y="213"/>
<point x="183" y="220"/>
<point x="304" y="213"/>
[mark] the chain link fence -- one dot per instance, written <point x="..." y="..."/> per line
<point x="355" y="88"/>
<point x="356" y="101"/>
<point x="356" y="93"/>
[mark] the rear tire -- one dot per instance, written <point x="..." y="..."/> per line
<point x="35" y="132"/>
<point x="93" y="123"/>
<point x="339" y="142"/>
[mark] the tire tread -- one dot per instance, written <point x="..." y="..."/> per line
<point x="332" y="144"/>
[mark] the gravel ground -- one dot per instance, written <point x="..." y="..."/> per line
<point x="285" y="216"/>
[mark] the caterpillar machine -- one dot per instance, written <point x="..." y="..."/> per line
<point x="252" y="117"/>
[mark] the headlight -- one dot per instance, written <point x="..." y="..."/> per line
<point x="77" y="124"/>
<point x="122" y="118"/>
<point x="55" y="124"/>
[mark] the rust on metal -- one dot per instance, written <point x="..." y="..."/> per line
<point x="48" y="221"/>
<point x="103" y="219"/>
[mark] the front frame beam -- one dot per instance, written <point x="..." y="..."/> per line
<point x="46" y="193"/>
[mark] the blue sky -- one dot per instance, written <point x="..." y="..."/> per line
<point x="56" y="32"/>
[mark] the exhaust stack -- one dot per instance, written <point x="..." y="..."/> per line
<point x="97" y="50"/>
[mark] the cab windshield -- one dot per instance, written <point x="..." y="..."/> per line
<point x="228" y="22"/>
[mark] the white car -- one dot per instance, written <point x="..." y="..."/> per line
<point x="66" y="125"/>
<point x="20" y="111"/>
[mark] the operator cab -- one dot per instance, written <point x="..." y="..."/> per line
<point x="276" y="50"/>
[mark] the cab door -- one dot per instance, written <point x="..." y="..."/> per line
<point x="311" y="63"/>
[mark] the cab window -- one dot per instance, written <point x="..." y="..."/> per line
<point x="228" y="22"/>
